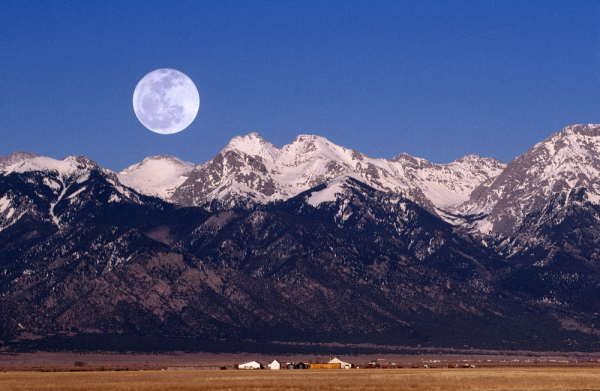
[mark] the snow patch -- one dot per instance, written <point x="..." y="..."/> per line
<point x="114" y="198"/>
<point x="594" y="198"/>
<point x="51" y="184"/>
<point x="55" y="219"/>
<point x="42" y="163"/>
<point x="83" y="177"/>
<point x="328" y="194"/>
<point x="4" y="203"/>
<point x="76" y="193"/>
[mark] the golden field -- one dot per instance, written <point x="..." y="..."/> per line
<point x="538" y="378"/>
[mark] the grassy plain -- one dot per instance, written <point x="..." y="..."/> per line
<point x="533" y="378"/>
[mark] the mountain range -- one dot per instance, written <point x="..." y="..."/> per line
<point x="306" y="244"/>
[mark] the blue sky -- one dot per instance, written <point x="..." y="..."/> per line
<point x="434" y="79"/>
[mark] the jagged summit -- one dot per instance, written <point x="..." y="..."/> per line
<point x="405" y="157"/>
<point x="475" y="159"/>
<point x="252" y="144"/>
<point x="15" y="157"/>
<point x="307" y="148"/>
<point x="568" y="159"/>
<point x="82" y="162"/>
<point x="31" y="162"/>
<point x="584" y="130"/>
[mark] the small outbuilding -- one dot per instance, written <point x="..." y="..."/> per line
<point x="251" y="365"/>
<point x="275" y="365"/>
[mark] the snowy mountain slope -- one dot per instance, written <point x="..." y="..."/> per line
<point x="449" y="185"/>
<point x="157" y="175"/>
<point x="566" y="160"/>
<point x="53" y="189"/>
<point x="250" y="168"/>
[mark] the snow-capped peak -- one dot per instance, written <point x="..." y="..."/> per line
<point x="310" y="147"/>
<point x="565" y="160"/>
<point x="82" y="162"/>
<point x="57" y="181"/>
<point x="64" y="168"/>
<point x="253" y="145"/>
<point x="156" y="175"/>
<point x="407" y="159"/>
<point x="159" y="159"/>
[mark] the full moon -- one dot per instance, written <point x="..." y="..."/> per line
<point x="166" y="101"/>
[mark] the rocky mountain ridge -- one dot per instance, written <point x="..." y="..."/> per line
<point x="568" y="159"/>
<point x="253" y="169"/>
<point x="310" y="242"/>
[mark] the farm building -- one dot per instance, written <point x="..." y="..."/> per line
<point x="251" y="365"/>
<point x="275" y="365"/>
<point x="325" y="366"/>
<point x="343" y="365"/>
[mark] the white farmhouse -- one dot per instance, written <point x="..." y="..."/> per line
<point x="343" y="365"/>
<point x="275" y="365"/>
<point x="251" y="365"/>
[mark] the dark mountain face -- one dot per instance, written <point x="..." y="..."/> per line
<point x="367" y="267"/>
<point x="81" y="254"/>
<point x="560" y="267"/>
